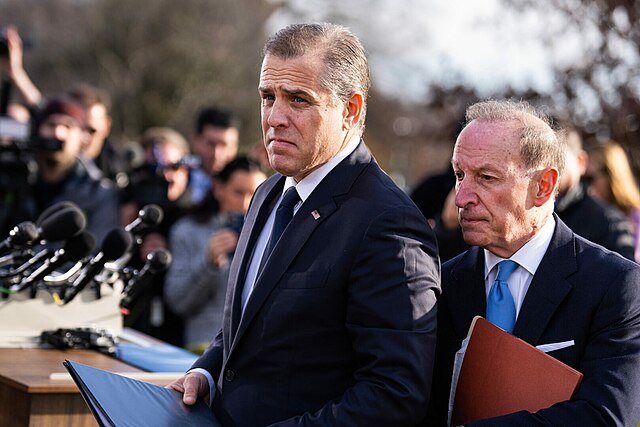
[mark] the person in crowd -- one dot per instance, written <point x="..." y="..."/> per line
<point x="609" y="178"/>
<point x="12" y="69"/>
<point x="562" y="289"/>
<point x="434" y="196"/>
<point x="329" y="320"/>
<point x="202" y="244"/>
<point x="162" y="180"/>
<point x="63" y="173"/>
<point x="215" y="143"/>
<point x="99" y="148"/>
<point x="587" y="216"/>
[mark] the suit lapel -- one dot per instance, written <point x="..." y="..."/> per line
<point x="467" y="297"/>
<point x="254" y="223"/>
<point x="549" y="286"/>
<point x="319" y="206"/>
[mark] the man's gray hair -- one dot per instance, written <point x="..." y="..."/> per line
<point x="346" y="68"/>
<point x="540" y="146"/>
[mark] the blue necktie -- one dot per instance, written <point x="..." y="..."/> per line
<point x="284" y="213"/>
<point x="501" y="310"/>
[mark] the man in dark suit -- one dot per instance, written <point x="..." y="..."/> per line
<point x="336" y="326"/>
<point x="567" y="292"/>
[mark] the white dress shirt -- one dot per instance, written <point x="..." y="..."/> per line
<point x="528" y="258"/>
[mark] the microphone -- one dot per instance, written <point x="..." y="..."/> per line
<point x="74" y="249"/>
<point x="115" y="244"/>
<point x="56" y="207"/>
<point x="22" y="234"/>
<point x="157" y="261"/>
<point x="149" y="216"/>
<point x="62" y="225"/>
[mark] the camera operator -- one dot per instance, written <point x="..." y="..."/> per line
<point x="202" y="245"/>
<point x="162" y="180"/>
<point x="63" y="173"/>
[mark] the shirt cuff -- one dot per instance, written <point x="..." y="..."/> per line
<point x="212" y="388"/>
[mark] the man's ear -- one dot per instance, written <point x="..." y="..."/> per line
<point x="353" y="111"/>
<point x="546" y="186"/>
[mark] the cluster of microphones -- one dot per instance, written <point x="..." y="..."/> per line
<point x="57" y="254"/>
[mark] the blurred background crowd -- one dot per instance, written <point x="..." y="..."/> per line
<point x="115" y="107"/>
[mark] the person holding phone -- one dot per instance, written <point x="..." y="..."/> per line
<point x="202" y="244"/>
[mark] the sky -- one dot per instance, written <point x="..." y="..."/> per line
<point x="482" y="44"/>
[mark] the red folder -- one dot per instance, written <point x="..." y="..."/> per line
<point x="501" y="374"/>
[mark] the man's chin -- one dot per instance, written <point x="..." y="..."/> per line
<point x="474" y="237"/>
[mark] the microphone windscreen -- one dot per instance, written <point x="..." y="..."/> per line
<point x="151" y="215"/>
<point x="63" y="225"/>
<point x="55" y="208"/>
<point x="79" y="246"/>
<point x="116" y="243"/>
<point x="159" y="260"/>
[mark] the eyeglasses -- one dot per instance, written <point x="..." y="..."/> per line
<point x="171" y="166"/>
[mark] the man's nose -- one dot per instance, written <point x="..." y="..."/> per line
<point x="277" y="114"/>
<point x="465" y="193"/>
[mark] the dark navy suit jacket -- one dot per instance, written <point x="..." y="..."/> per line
<point x="580" y="292"/>
<point x="340" y="327"/>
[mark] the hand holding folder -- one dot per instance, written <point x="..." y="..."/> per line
<point x="501" y="374"/>
<point x="116" y="400"/>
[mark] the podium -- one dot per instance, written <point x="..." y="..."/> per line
<point x="30" y="397"/>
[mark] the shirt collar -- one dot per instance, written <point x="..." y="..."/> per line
<point x="306" y="186"/>
<point x="528" y="256"/>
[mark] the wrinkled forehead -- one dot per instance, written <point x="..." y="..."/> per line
<point x="488" y="140"/>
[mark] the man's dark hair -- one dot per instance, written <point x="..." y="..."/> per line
<point x="242" y="163"/>
<point x="216" y="116"/>
<point x="90" y="95"/>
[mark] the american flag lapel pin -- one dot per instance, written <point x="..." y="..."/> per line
<point x="315" y="214"/>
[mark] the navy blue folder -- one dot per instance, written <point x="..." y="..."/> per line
<point x="119" y="401"/>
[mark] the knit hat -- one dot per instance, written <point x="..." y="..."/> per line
<point x="65" y="106"/>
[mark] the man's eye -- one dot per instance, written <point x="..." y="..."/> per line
<point x="267" y="98"/>
<point x="487" y="177"/>
<point x="298" y="99"/>
<point x="459" y="176"/>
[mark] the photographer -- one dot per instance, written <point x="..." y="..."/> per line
<point x="202" y="245"/>
<point x="63" y="173"/>
<point x="162" y="180"/>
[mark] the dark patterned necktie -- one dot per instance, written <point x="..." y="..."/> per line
<point x="284" y="213"/>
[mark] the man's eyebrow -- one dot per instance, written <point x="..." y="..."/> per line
<point x="296" y="92"/>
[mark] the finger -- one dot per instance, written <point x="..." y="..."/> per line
<point x="176" y="385"/>
<point x="191" y="388"/>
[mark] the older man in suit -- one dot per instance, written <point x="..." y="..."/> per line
<point x="563" y="290"/>
<point x="333" y="323"/>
